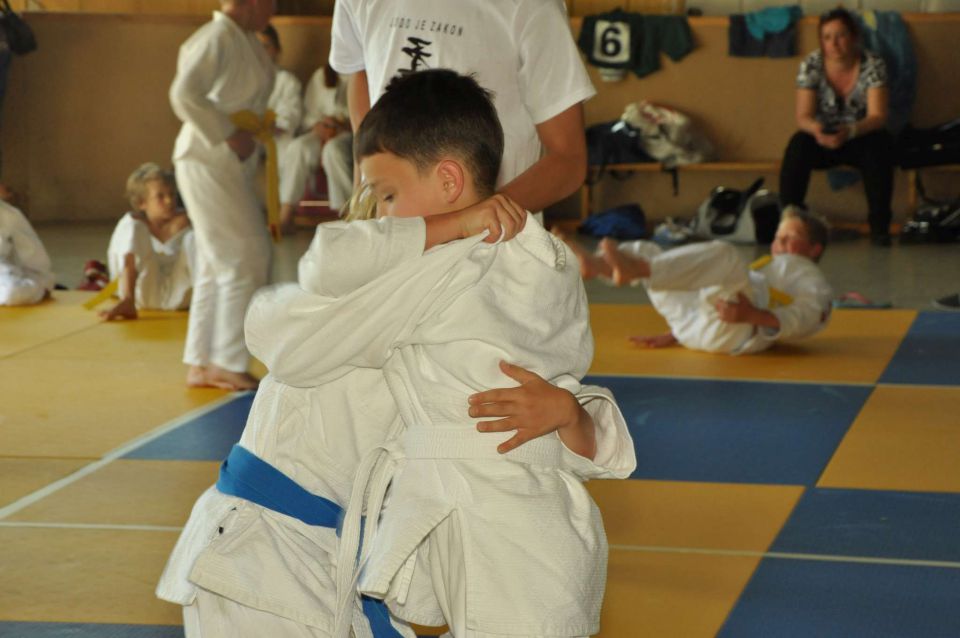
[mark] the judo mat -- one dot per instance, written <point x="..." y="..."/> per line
<point x="812" y="490"/>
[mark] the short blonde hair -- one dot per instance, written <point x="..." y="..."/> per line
<point x="138" y="180"/>
<point x="362" y="204"/>
<point x="817" y="227"/>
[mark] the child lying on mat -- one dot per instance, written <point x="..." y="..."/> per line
<point x="151" y="249"/>
<point x="716" y="302"/>
<point x="26" y="276"/>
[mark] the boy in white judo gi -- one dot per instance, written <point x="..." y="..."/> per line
<point x="151" y="250"/>
<point x="286" y="101"/>
<point x="327" y="141"/>
<point x="222" y="71"/>
<point x="490" y="538"/>
<point x="713" y="300"/>
<point x="26" y="276"/>
<point x="248" y="565"/>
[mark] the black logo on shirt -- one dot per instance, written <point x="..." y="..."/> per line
<point x="417" y="53"/>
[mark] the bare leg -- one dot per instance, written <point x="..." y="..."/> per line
<point x="590" y="265"/>
<point x="625" y="268"/>
<point x="127" y="308"/>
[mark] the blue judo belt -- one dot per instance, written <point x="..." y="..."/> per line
<point x="247" y="476"/>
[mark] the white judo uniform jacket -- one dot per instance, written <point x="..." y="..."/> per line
<point x="685" y="283"/>
<point x="533" y="541"/>
<point x="25" y="270"/>
<point x="316" y="428"/>
<point x="286" y="101"/>
<point x="165" y="269"/>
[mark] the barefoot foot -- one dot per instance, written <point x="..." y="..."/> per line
<point x="197" y="377"/>
<point x="218" y="377"/>
<point x="625" y="268"/>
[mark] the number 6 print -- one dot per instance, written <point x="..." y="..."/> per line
<point x="611" y="42"/>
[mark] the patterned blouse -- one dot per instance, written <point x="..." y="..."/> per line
<point x="831" y="108"/>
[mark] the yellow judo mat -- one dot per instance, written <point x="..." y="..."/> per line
<point x="762" y="487"/>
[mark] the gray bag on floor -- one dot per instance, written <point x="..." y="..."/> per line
<point x="742" y="217"/>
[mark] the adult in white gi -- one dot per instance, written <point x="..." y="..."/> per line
<point x="327" y="141"/>
<point x="26" y="276"/>
<point x="222" y="69"/>
<point x="239" y="562"/>
<point x="521" y="50"/>
<point x="714" y="301"/>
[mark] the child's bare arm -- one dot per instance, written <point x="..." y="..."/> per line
<point x="534" y="408"/>
<point x="126" y="308"/>
<point x="654" y="341"/>
<point x="497" y="214"/>
<point x="742" y="311"/>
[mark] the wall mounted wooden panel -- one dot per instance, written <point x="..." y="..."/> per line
<point x="91" y="104"/>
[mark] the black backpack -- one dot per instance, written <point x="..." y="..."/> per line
<point x="614" y="142"/>
<point x="18" y="34"/>
<point x="919" y="147"/>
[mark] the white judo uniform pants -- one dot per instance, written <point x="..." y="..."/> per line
<point x="232" y="256"/>
<point x="18" y="287"/>
<point x="686" y="282"/>
<point x="299" y="161"/>
<point x="445" y="562"/>
<point x="213" y="616"/>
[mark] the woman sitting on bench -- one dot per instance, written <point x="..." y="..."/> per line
<point x="842" y="105"/>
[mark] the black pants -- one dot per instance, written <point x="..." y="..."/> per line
<point x="871" y="154"/>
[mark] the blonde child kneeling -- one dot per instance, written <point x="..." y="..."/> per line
<point x="151" y="250"/>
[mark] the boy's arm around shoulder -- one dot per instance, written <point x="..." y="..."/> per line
<point x="331" y="266"/>
<point x="345" y="256"/>
<point x="306" y="339"/>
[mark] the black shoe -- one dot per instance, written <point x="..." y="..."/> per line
<point x="880" y="239"/>
<point x="950" y="302"/>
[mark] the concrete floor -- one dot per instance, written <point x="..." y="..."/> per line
<point x="906" y="276"/>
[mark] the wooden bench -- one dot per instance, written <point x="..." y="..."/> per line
<point x="591" y="186"/>
<point x="913" y="182"/>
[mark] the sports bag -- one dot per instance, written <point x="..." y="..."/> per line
<point x="620" y="222"/>
<point x="614" y="142"/>
<point x="18" y="34"/>
<point x="935" y="221"/>
<point x="740" y="216"/>
<point x="933" y="146"/>
<point x="667" y="135"/>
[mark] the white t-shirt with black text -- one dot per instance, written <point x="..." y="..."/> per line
<point x="521" y="50"/>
